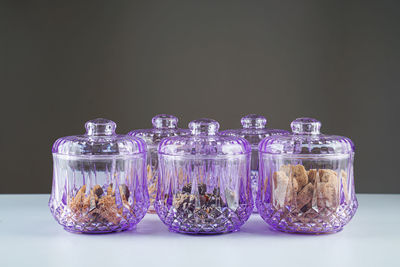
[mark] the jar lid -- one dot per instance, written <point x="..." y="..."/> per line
<point x="254" y="130"/>
<point x="100" y="139"/>
<point x="164" y="125"/>
<point x="204" y="140"/>
<point x="306" y="139"/>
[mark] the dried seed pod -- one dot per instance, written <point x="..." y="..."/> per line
<point x="177" y="200"/>
<point x="202" y="188"/>
<point x="187" y="188"/>
<point x="108" y="209"/>
<point x="124" y="191"/>
<point x="216" y="191"/>
<point x="109" y="189"/>
<point x="92" y="200"/>
<point x="76" y="204"/>
<point x="98" y="191"/>
<point x="149" y="173"/>
<point x="203" y="200"/>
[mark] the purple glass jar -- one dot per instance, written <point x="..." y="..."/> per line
<point x="99" y="180"/>
<point x="306" y="181"/>
<point x="164" y="125"/>
<point x="254" y="130"/>
<point x="204" y="185"/>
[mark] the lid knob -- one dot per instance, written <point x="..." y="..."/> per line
<point x="254" y="121"/>
<point x="163" y="121"/>
<point x="100" y="126"/>
<point x="204" y="127"/>
<point x="305" y="126"/>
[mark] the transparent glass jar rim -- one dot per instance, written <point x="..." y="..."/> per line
<point x="306" y="156"/>
<point x="204" y="157"/>
<point x="98" y="157"/>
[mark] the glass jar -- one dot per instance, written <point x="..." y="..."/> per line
<point x="164" y="125"/>
<point x="254" y="130"/>
<point x="99" y="180"/>
<point x="306" y="182"/>
<point x="204" y="185"/>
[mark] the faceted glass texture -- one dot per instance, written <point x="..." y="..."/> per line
<point x="306" y="180"/>
<point x="99" y="180"/>
<point x="204" y="184"/>
<point x="254" y="130"/>
<point x="164" y="125"/>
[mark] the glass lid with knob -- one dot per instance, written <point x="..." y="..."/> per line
<point x="100" y="139"/>
<point x="253" y="129"/>
<point x="306" y="138"/>
<point x="164" y="125"/>
<point x="204" y="140"/>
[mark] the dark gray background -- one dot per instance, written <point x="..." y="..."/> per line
<point x="64" y="63"/>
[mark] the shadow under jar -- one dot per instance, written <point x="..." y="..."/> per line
<point x="204" y="185"/>
<point x="254" y="130"/>
<point x="306" y="182"/>
<point x="99" y="180"/>
<point x="164" y="125"/>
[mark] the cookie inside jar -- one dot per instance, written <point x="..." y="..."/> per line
<point x="204" y="181"/>
<point x="98" y="206"/>
<point x="296" y="188"/>
<point x="99" y="180"/>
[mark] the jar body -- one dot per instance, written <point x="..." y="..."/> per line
<point x="306" y="193"/>
<point x="152" y="175"/>
<point x="254" y="174"/>
<point x="204" y="195"/>
<point x="99" y="194"/>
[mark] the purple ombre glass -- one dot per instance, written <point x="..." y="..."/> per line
<point x="306" y="180"/>
<point x="164" y="125"/>
<point x="254" y="130"/>
<point x="99" y="180"/>
<point x="204" y="184"/>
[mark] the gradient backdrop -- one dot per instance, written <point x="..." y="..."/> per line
<point x="63" y="64"/>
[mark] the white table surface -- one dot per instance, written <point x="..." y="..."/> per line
<point x="29" y="236"/>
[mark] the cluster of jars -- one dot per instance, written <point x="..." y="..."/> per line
<point x="202" y="181"/>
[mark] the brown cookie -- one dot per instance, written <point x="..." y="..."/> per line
<point x="312" y="175"/>
<point x="281" y="188"/>
<point x="343" y="174"/>
<point x="295" y="185"/>
<point x="330" y="194"/>
<point x="305" y="195"/>
<point x="300" y="174"/>
<point x="279" y="177"/>
<point x="286" y="169"/>
<point x="328" y="176"/>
